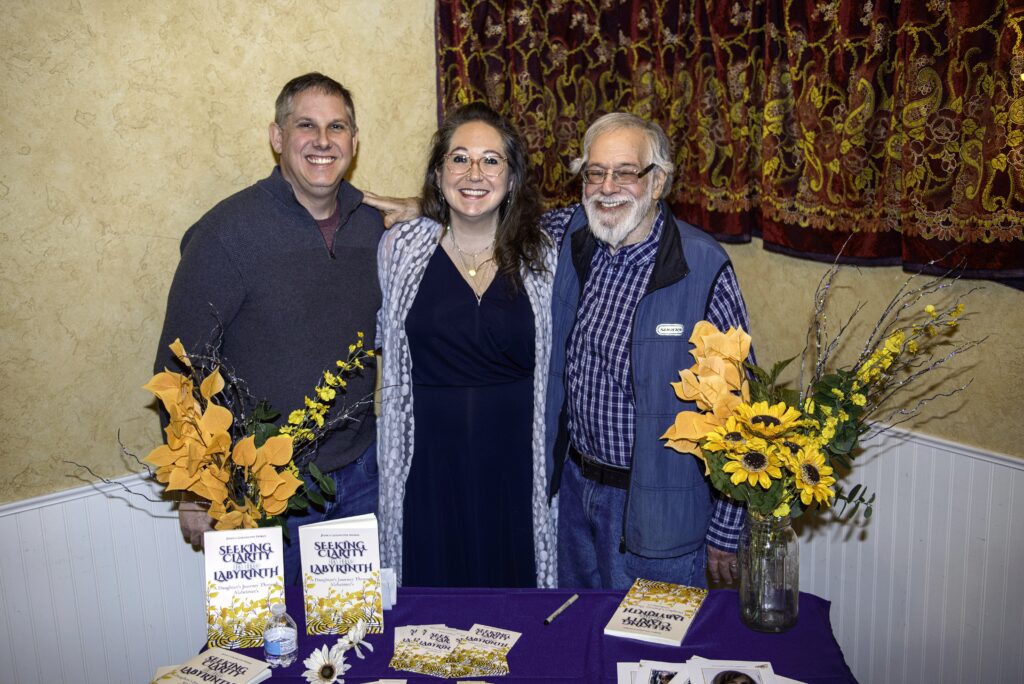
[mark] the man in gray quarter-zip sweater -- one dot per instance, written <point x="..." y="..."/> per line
<point x="285" y="272"/>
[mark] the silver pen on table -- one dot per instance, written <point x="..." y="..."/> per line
<point x="558" y="611"/>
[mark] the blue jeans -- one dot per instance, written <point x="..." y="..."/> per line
<point x="356" y="486"/>
<point x="590" y="517"/>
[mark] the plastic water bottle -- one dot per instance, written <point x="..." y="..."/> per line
<point x="280" y="637"/>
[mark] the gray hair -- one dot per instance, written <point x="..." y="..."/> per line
<point x="661" y="148"/>
<point x="312" y="81"/>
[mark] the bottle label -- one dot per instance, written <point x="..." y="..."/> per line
<point x="279" y="641"/>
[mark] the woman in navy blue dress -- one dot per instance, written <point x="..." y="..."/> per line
<point x="465" y="326"/>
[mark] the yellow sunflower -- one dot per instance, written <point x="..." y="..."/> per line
<point x="768" y="421"/>
<point x="790" y="445"/>
<point x="813" y="478"/>
<point x="757" y="462"/>
<point x="728" y="437"/>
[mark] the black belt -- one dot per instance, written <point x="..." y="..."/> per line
<point x="599" y="472"/>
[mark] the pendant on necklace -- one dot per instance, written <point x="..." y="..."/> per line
<point x="472" y="273"/>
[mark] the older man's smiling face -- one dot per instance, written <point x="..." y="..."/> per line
<point x="316" y="144"/>
<point x="621" y="214"/>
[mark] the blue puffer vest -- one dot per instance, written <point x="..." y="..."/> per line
<point x="669" y="504"/>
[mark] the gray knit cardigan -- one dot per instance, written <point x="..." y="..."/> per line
<point x="402" y="258"/>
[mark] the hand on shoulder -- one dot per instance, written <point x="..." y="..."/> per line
<point x="394" y="209"/>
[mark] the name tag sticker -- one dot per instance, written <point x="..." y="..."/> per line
<point x="670" y="329"/>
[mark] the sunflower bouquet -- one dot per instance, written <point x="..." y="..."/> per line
<point x="224" y="448"/>
<point x="781" y="450"/>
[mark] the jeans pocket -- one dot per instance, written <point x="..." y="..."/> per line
<point x="368" y="462"/>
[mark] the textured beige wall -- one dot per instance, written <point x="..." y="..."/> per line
<point x="123" y="122"/>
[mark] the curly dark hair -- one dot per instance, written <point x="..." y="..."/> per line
<point x="519" y="240"/>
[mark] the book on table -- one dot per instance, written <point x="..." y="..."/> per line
<point x="216" y="665"/>
<point x="244" y="570"/>
<point x="658" y="612"/>
<point x="341" y="575"/>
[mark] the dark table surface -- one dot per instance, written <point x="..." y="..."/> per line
<point x="574" y="648"/>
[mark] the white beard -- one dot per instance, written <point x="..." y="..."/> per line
<point x="615" y="233"/>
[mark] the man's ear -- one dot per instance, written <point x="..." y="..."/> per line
<point x="659" y="183"/>
<point x="276" y="137"/>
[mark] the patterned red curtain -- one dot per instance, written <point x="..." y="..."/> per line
<point x="893" y="128"/>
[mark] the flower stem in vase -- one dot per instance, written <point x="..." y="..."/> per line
<point x="769" y="564"/>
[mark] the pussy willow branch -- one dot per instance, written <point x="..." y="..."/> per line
<point x="931" y="365"/>
<point x="903" y="300"/>
<point x="114" y="483"/>
<point x="817" y="328"/>
<point x="830" y="348"/>
<point x="906" y="414"/>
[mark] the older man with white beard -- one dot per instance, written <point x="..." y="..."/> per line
<point x="631" y="283"/>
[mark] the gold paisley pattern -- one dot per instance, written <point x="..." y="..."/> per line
<point x="899" y="123"/>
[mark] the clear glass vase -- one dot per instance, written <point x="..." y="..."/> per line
<point x="769" y="565"/>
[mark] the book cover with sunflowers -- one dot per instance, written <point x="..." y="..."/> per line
<point x="341" y="575"/>
<point x="659" y="612"/>
<point x="244" y="568"/>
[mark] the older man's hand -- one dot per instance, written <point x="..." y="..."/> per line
<point x="722" y="565"/>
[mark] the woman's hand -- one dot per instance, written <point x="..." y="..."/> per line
<point x="394" y="209"/>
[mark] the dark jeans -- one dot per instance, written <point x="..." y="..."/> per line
<point x="356" y="486"/>
<point x="589" y="530"/>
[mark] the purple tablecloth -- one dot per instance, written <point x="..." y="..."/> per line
<point x="574" y="648"/>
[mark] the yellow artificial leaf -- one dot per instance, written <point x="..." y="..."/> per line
<point x="179" y="351"/>
<point x="170" y="388"/>
<point x="244" y="453"/>
<point x="700" y="330"/>
<point x="180" y="479"/>
<point x="277" y="450"/>
<point x="688" y="387"/>
<point x="274" y="507"/>
<point x="218" y="443"/>
<point x="276" y="502"/>
<point x="163" y="455"/>
<point x="690" y="425"/>
<point x="216" y="419"/>
<point x="215" y="483"/>
<point x="269" y="480"/>
<point x="724" y="406"/>
<point x="733" y="344"/>
<point x="213" y="384"/>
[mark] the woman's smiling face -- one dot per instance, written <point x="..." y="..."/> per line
<point x="474" y="195"/>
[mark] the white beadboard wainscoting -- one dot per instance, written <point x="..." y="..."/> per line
<point x="98" y="587"/>
<point x="929" y="589"/>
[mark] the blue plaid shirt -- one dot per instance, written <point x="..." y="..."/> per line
<point x="599" y="381"/>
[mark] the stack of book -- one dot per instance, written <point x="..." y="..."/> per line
<point x="659" y="612"/>
<point x="244" y="570"/>
<point x="341" y="579"/>
<point x="215" y="665"/>
<point x="442" y="651"/>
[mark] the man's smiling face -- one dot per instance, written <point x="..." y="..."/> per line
<point x="316" y="144"/>
<point x="621" y="214"/>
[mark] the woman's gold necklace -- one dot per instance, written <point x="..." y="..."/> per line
<point x="472" y="271"/>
